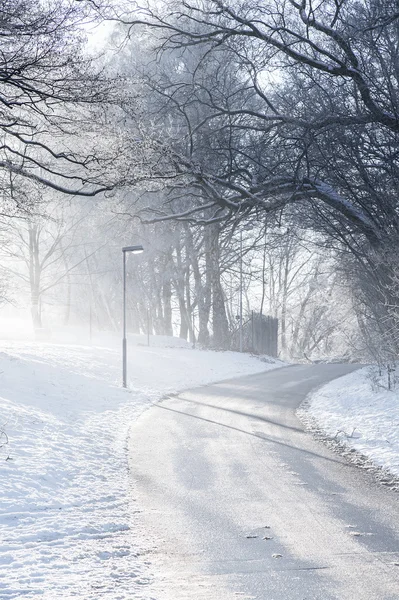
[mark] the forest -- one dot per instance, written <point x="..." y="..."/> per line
<point x="250" y="147"/>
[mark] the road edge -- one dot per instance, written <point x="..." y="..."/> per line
<point x="382" y="475"/>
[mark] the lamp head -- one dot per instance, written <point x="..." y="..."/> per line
<point x="133" y="249"/>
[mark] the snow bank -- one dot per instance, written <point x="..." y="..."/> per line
<point x="358" y="411"/>
<point x="67" y="518"/>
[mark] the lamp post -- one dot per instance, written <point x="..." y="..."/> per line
<point x="125" y="250"/>
<point x="241" y="336"/>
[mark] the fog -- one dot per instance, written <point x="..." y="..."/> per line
<point x="63" y="282"/>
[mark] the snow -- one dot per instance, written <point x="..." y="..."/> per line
<point x="359" y="411"/>
<point x="329" y="192"/>
<point x="67" y="514"/>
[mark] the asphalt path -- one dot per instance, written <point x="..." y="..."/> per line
<point x="238" y="501"/>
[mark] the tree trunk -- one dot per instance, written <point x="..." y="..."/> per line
<point x="219" y="316"/>
<point x="180" y="292"/>
<point x="202" y="293"/>
<point x="35" y="276"/>
<point x="167" y="307"/>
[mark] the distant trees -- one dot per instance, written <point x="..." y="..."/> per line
<point x="306" y="293"/>
<point x="41" y="253"/>
<point x="186" y="283"/>
<point x="181" y="278"/>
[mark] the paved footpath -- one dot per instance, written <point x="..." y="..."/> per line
<point x="240" y="502"/>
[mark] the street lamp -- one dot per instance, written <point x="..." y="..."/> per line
<point x="241" y="282"/>
<point x="125" y="250"/>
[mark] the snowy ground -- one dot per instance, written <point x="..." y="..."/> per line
<point x="67" y="516"/>
<point x="359" y="411"/>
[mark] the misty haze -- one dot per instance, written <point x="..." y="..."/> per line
<point x="199" y="300"/>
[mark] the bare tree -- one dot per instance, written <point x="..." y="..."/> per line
<point x="48" y="88"/>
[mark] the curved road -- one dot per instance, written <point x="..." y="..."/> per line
<point x="239" y="502"/>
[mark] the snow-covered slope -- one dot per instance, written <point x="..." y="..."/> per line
<point x="67" y="518"/>
<point x="358" y="411"/>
